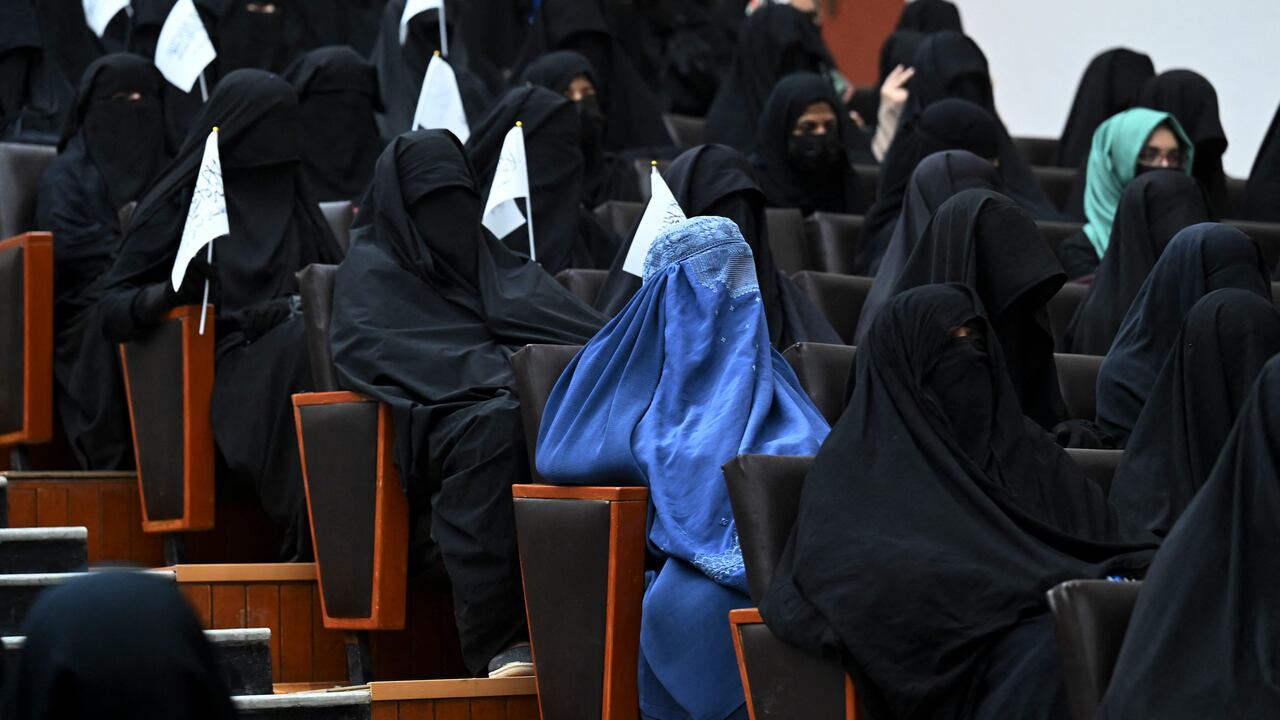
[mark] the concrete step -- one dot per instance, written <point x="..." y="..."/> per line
<point x="18" y="593"/>
<point x="347" y="705"/>
<point x="44" y="550"/>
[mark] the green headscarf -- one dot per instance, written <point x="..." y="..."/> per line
<point x="1113" y="163"/>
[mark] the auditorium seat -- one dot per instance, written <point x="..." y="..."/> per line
<point x="823" y="371"/>
<point x="869" y="176"/>
<point x="1097" y="465"/>
<point x="619" y="216"/>
<point x="1038" y="151"/>
<point x="26" y="343"/>
<point x="780" y="681"/>
<point x="686" y="131"/>
<point x="168" y="380"/>
<point x="839" y="297"/>
<point x="786" y="238"/>
<point x="1062" y="308"/>
<point x="1267" y="236"/>
<point x="643" y="168"/>
<point x="1056" y="183"/>
<point x="21" y="167"/>
<point x="1090" y="618"/>
<point x="583" y="283"/>
<point x="582" y="554"/>
<point x="1078" y="380"/>
<point x="340" y="215"/>
<point x="1235" y="193"/>
<point x="832" y="241"/>
<point x="358" y="510"/>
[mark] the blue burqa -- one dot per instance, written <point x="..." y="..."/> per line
<point x="678" y="383"/>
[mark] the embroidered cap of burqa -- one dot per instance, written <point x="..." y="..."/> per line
<point x="934" y="519"/>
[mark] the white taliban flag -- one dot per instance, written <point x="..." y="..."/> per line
<point x="206" y="218"/>
<point x="440" y="103"/>
<point x="661" y="213"/>
<point x="510" y="181"/>
<point x="415" y="7"/>
<point x="183" y="49"/>
<point x="98" y="14"/>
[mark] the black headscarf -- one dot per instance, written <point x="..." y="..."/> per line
<point x="428" y="307"/>
<point x="1190" y="98"/>
<point x="930" y="16"/>
<point x="986" y="242"/>
<point x="566" y="234"/>
<point x="774" y="42"/>
<point x="117" y="646"/>
<point x="1199" y="259"/>
<point x="1226" y="339"/>
<point x="717" y="180"/>
<point x="1262" y="192"/>
<point x="1110" y="85"/>
<point x="337" y="97"/>
<point x="950" y="124"/>
<point x="935" y="518"/>
<point x="401" y="69"/>
<point x="1202" y="640"/>
<point x="939" y="176"/>
<point x="1154" y="208"/>
<point x="633" y="111"/>
<point x="790" y="174"/>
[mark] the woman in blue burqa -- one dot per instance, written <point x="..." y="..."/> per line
<point x="678" y="383"/>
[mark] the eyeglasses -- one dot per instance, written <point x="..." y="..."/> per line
<point x="1153" y="155"/>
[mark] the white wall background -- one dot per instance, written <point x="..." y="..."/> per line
<point x="1038" y="50"/>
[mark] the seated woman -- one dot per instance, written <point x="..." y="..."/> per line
<point x="276" y="230"/>
<point x="1226" y="339"/>
<point x="608" y="176"/>
<point x="804" y="148"/>
<point x="1190" y="97"/>
<point x="1199" y="260"/>
<point x="1155" y="207"/>
<point x="1202" y="639"/>
<point x="1124" y="146"/>
<point x="716" y="180"/>
<point x="932" y="522"/>
<point x="427" y="311"/>
<point x="114" y="146"/>
<point x="680" y="382"/>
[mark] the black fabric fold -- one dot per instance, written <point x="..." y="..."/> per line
<point x="1110" y="85"/>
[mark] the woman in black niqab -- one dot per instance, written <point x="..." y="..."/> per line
<point x="1262" y="191"/>
<point x="1200" y="259"/>
<point x="932" y="523"/>
<point x="717" y="180"/>
<point x="774" y="42"/>
<point x="428" y="309"/>
<point x="1190" y="98"/>
<point x="566" y="234"/>
<point x="1226" y="339"/>
<point x="1202" y="640"/>
<point x="116" y="645"/>
<point x="337" y="98"/>
<point x="276" y="230"/>
<point x="251" y="34"/>
<point x="1110" y="85"/>
<point x="1154" y="208"/>
<point x="113" y="146"/>
<point x="812" y="171"/>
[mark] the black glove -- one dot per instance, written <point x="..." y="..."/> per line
<point x="260" y="319"/>
<point x="152" y="302"/>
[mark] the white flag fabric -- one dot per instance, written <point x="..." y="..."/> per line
<point x="661" y="213"/>
<point x="183" y="49"/>
<point x="207" y="216"/>
<point x="99" y="13"/>
<point x="510" y="181"/>
<point x="414" y="7"/>
<point x="440" y="102"/>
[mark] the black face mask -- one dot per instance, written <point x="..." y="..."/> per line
<point x="960" y="381"/>
<point x="125" y="140"/>
<point x="592" y="119"/>
<point x="815" y="153"/>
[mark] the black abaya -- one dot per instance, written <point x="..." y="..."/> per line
<point x="717" y="180"/>
<point x="1262" y="192"/>
<point x="428" y="309"/>
<point x="337" y="97"/>
<point x="802" y="177"/>
<point x="1110" y="85"/>
<point x="115" y="645"/>
<point x="112" y="149"/>
<point x="34" y="92"/>
<point x="1154" y="208"/>
<point x="1226" y="339"/>
<point x="276" y="230"/>
<point x="566" y="235"/>
<point x="1199" y="259"/>
<point x="1190" y="98"/>
<point x="932" y="523"/>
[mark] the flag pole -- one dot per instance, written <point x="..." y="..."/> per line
<point x="528" y="199"/>
<point x="204" y="301"/>
<point x="444" y="33"/>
